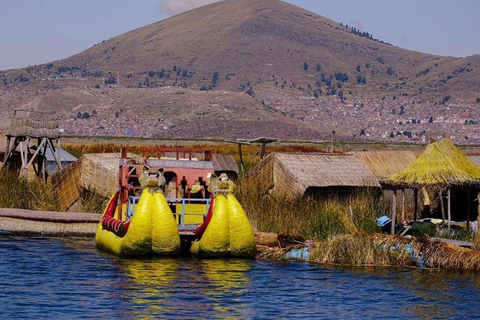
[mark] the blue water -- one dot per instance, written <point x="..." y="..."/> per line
<point x="69" y="278"/>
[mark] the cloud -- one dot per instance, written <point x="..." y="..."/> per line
<point x="357" y="24"/>
<point x="403" y="38"/>
<point x="173" y="7"/>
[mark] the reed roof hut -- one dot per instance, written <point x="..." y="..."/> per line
<point x="441" y="166"/>
<point x="386" y="163"/>
<point x="475" y="159"/>
<point x="295" y="175"/>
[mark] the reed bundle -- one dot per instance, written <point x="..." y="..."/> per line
<point x="33" y="132"/>
<point x="35" y="124"/>
<point x="66" y="185"/>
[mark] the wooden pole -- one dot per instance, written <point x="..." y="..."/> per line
<point x="468" y="209"/>
<point x="45" y="162"/>
<point x="415" y="192"/>
<point x="55" y="154"/>
<point x="16" y="144"/>
<point x="241" y="160"/>
<point x="403" y="204"/>
<point x="262" y="153"/>
<point x="23" y="155"/>
<point x="7" y="149"/>
<point x="443" y="207"/>
<point x="394" y="211"/>
<point x="59" y="157"/>
<point x="449" y="211"/>
<point x="477" y="238"/>
<point x="39" y="157"/>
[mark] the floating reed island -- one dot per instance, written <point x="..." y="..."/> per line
<point x="332" y="199"/>
<point x="377" y="250"/>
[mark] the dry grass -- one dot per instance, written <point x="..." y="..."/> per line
<point x="384" y="250"/>
<point x="357" y="249"/>
<point x="435" y="254"/>
<point x="91" y="202"/>
<point x="18" y="193"/>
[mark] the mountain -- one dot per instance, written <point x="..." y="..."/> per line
<point x="283" y="61"/>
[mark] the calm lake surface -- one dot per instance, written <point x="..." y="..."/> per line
<point x="69" y="278"/>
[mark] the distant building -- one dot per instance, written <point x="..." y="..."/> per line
<point x="65" y="157"/>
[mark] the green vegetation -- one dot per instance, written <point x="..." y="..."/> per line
<point x="111" y="80"/>
<point x="313" y="219"/>
<point x="361" y="80"/>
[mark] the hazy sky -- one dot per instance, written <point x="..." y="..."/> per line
<point x="34" y="31"/>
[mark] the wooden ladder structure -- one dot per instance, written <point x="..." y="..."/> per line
<point x="28" y="127"/>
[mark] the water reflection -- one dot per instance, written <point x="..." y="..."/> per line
<point x="226" y="275"/>
<point x="161" y="287"/>
<point x="151" y="284"/>
<point x="71" y="279"/>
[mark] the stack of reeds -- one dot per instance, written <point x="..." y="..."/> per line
<point x="47" y="223"/>
<point x="100" y="173"/>
<point x="66" y="185"/>
<point x="34" y="127"/>
<point x="385" y="163"/>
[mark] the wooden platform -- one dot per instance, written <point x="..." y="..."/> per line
<point x="465" y="244"/>
<point x="19" y="222"/>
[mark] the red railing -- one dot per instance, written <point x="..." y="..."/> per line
<point x="161" y="152"/>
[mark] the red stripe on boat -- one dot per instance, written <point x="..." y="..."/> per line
<point x="200" y="230"/>
<point x="110" y="223"/>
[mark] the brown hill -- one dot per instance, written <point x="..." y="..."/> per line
<point x="248" y="41"/>
<point x="260" y="47"/>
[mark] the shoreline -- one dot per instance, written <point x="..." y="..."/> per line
<point x="358" y="250"/>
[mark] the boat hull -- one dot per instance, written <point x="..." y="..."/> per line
<point x="152" y="230"/>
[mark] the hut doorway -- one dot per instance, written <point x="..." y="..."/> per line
<point x="464" y="204"/>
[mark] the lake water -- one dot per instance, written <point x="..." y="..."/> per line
<point x="69" y="278"/>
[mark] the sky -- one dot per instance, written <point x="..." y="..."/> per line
<point x="34" y="32"/>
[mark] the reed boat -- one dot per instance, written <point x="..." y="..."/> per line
<point x="171" y="199"/>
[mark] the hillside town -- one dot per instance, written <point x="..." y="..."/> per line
<point x="390" y="119"/>
<point x="408" y="120"/>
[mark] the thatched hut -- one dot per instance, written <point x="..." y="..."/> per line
<point x="290" y="175"/>
<point x="386" y="163"/>
<point x="441" y="168"/>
